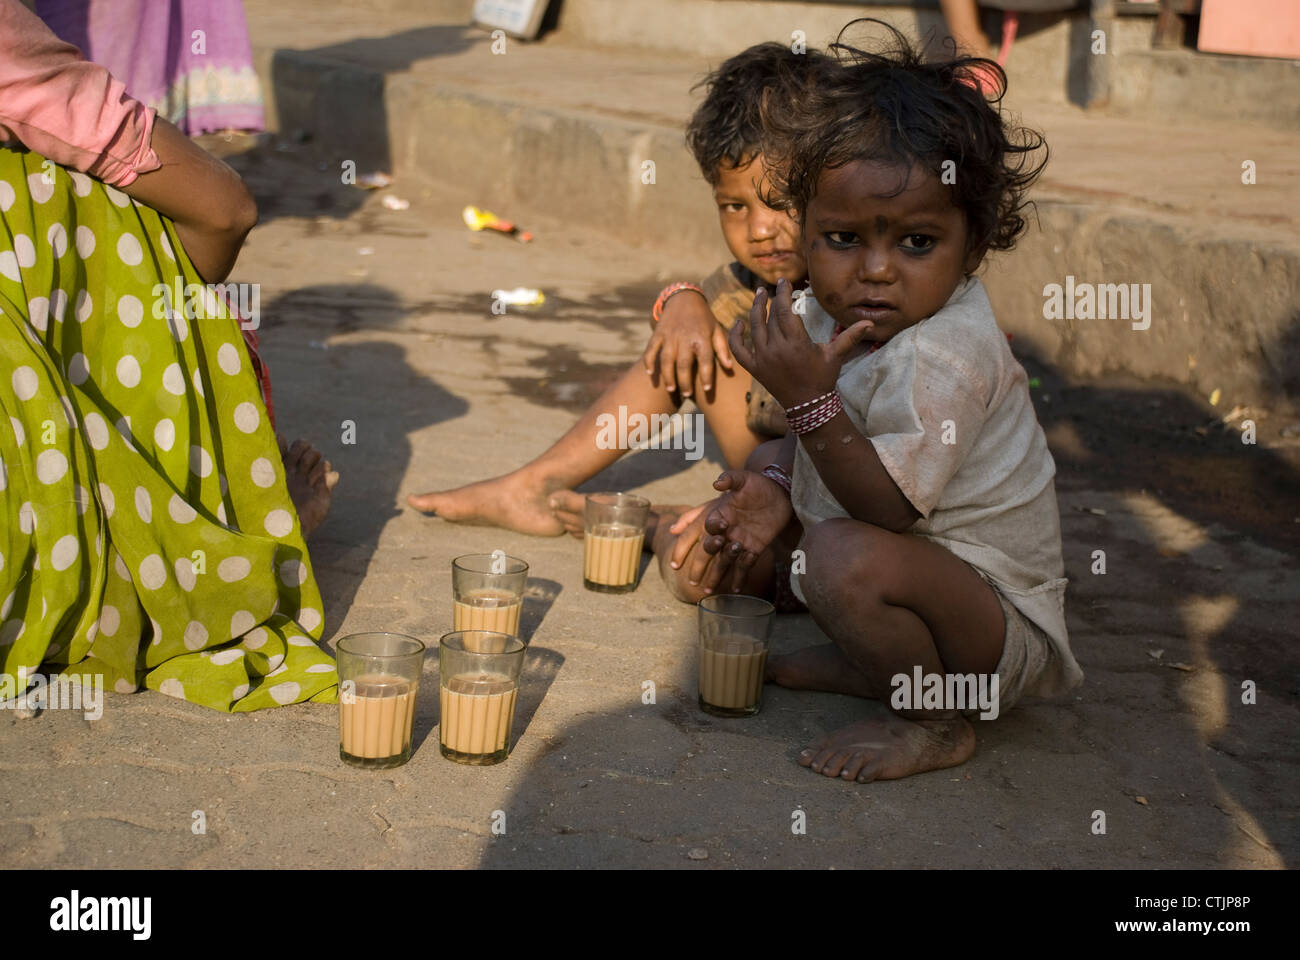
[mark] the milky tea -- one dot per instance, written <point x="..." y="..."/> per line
<point x="734" y="632"/>
<point x="375" y="718"/>
<point x="495" y="610"/>
<point x="488" y="592"/>
<point x="614" y="533"/>
<point x="479" y="689"/>
<point x="478" y="710"/>
<point x="379" y="678"/>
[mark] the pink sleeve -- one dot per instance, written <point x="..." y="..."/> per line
<point x="66" y="108"/>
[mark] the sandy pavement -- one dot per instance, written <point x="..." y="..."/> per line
<point x="1200" y="594"/>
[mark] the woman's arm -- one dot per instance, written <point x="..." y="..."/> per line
<point x="212" y="208"/>
<point x="77" y="114"/>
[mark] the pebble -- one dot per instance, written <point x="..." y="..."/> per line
<point x="699" y="853"/>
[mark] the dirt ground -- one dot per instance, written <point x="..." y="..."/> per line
<point x="382" y="317"/>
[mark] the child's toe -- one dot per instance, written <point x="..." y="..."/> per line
<point x="836" y="763"/>
<point x="853" y="766"/>
<point x="821" y="760"/>
<point x="870" y="770"/>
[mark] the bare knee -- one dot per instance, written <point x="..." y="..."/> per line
<point x="844" y="558"/>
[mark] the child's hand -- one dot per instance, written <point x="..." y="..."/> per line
<point x="689" y="530"/>
<point x="783" y="357"/>
<point x="744" y="521"/>
<point x="687" y="336"/>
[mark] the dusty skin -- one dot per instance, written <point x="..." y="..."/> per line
<point x="884" y="747"/>
<point x="518" y="501"/>
<point x="310" y="479"/>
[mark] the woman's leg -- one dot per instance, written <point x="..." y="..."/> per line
<point x="890" y="603"/>
<point x="152" y="491"/>
<point x="963" y="19"/>
<point x="538" y="498"/>
<point x="311" y="480"/>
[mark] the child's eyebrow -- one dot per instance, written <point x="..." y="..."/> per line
<point x="882" y="223"/>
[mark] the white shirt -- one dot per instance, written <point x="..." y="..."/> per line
<point x="947" y="408"/>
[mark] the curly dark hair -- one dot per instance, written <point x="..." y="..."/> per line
<point x="728" y="127"/>
<point x="893" y="107"/>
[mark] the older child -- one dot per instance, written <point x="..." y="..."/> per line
<point x="725" y="135"/>
<point x="916" y="480"/>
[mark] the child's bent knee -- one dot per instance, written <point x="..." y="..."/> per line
<point x="763" y="454"/>
<point x="840" y="555"/>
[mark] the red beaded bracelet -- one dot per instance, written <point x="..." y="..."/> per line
<point x="668" y="291"/>
<point x="817" y="417"/>
<point x="809" y="403"/>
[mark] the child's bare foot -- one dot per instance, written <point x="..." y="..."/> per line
<point x="310" y="480"/>
<point x="823" y="667"/>
<point x="518" y="501"/>
<point x="888" y="747"/>
<point x="569" y="507"/>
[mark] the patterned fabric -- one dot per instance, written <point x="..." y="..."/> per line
<point x="146" y="532"/>
<point x="191" y="60"/>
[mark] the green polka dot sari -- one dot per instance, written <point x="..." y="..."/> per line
<point x="146" y="533"/>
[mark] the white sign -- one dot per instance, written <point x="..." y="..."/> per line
<point x="523" y="18"/>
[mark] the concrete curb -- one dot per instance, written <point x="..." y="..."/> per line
<point x="1226" y="308"/>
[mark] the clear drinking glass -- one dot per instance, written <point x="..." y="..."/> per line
<point x="379" y="676"/>
<point x="734" y="631"/>
<point x="479" y="686"/>
<point x="488" y="592"/>
<point x="614" y="527"/>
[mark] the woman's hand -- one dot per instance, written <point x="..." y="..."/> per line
<point x="687" y="336"/>
<point x="743" y="522"/>
<point x="783" y="357"/>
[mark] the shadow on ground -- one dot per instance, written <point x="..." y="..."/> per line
<point x="353" y="87"/>
<point x="368" y="443"/>
<point x="1200" y="536"/>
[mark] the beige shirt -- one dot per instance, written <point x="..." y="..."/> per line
<point x="947" y="408"/>
<point x="730" y="292"/>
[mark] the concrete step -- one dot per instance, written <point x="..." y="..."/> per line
<point x="563" y="128"/>
<point x="1086" y="56"/>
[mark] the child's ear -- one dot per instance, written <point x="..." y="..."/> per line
<point x="974" y="258"/>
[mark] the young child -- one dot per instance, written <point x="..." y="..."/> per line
<point x="725" y="135"/>
<point x="916" y="479"/>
